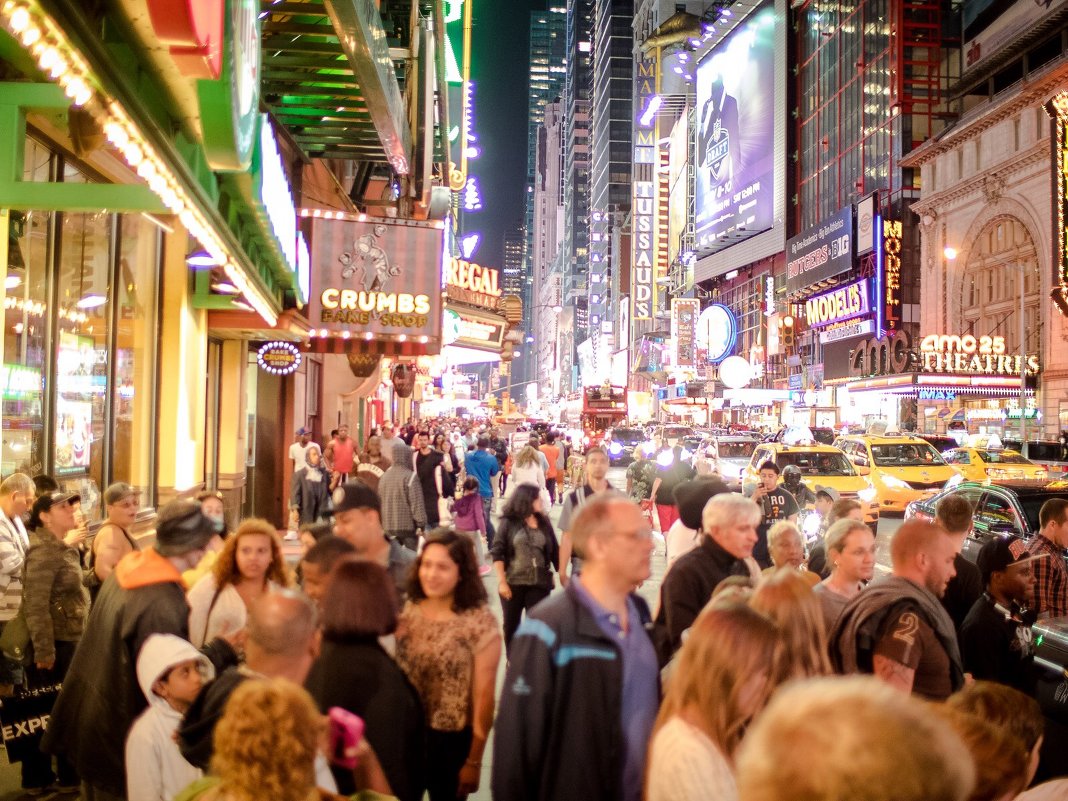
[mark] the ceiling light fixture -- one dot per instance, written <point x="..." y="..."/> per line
<point x="91" y="301"/>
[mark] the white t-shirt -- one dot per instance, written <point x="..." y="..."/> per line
<point x="298" y="453"/>
<point x="685" y="765"/>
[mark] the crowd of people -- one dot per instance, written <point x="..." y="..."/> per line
<point x="208" y="666"/>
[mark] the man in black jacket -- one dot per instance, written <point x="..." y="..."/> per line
<point x="954" y="514"/>
<point x="101" y="697"/>
<point x="283" y="642"/>
<point x="581" y="693"/>
<point x="729" y="523"/>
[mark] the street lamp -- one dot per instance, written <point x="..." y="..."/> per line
<point x="950" y="253"/>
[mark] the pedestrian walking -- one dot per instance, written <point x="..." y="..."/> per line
<point x="298" y="450"/>
<point x="525" y="554"/>
<point x="526" y="469"/>
<point x="596" y="469"/>
<point x="250" y="564"/>
<point x="55" y="606"/>
<point x="372" y="461"/>
<point x="450" y="466"/>
<point x="317" y="564"/>
<point x="581" y="691"/>
<point x="143" y="596"/>
<point x="788" y="552"/>
<point x="955" y="514"/>
<point x="552" y="458"/>
<point x="340" y="453"/>
<point x="358" y="521"/>
<point x="309" y="494"/>
<point x="428" y="469"/>
<point x="840" y="510"/>
<point x="482" y="465"/>
<point x="671" y="471"/>
<point x="786" y="599"/>
<point x="355" y="673"/>
<point x="685" y="533"/>
<point x="897" y="628"/>
<point x="705" y="714"/>
<point x="469" y="519"/>
<point x="775" y="504"/>
<point x="404" y="512"/>
<point x="851" y="551"/>
<point x="449" y="645"/>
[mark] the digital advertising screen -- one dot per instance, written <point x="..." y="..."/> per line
<point x="735" y="153"/>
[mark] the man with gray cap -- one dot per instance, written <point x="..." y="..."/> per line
<point x="101" y="697"/>
<point x="358" y="521"/>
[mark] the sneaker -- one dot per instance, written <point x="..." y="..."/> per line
<point x="36" y="792"/>
<point x="484" y="570"/>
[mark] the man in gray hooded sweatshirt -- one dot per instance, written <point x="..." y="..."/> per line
<point x="403" y="509"/>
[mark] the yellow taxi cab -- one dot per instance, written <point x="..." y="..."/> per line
<point x="982" y="463"/>
<point x="902" y="467"/>
<point x="821" y="466"/>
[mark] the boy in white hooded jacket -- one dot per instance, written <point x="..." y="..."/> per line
<point x="171" y="672"/>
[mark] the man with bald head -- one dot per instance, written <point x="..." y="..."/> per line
<point x="897" y="627"/>
<point x="283" y="642"/>
<point x="581" y="693"/>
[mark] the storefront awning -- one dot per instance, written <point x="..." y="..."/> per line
<point x="914" y="385"/>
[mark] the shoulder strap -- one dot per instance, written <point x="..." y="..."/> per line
<point x="207" y="619"/>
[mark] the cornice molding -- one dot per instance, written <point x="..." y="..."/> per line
<point x="992" y="183"/>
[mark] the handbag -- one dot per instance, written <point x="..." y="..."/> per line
<point x="15" y="640"/>
<point x="25" y="717"/>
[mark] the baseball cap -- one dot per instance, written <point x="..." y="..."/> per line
<point x="355" y="495"/>
<point x="119" y="491"/>
<point x="692" y="496"/>
<point x="1000" y="553"/>
<point x="181" y="528"/>
<point x="830" y="492"/>
<point x="302" y="431"/>
<point x="45" y="503"/>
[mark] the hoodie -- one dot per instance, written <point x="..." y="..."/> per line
<point x="155" y="768"/>
<point x="403" y="509"/>
<point x="100" y="697"/>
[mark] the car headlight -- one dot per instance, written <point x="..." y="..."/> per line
<point x="665" y="458"/>
<point x="868" y="494"/>
<point x="615" y="449"/>
<point x="893" y="482"/>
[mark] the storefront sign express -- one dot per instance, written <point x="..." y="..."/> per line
<point x="969" y="354"/>
<point x="838" y="305"/>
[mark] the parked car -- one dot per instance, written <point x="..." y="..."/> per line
<point x="729" y="456"/>
<point x="940" y="442"/>
<point x="979" y="464"/>
<point x="902" y="468"/>
<point x="1002" y="507"/>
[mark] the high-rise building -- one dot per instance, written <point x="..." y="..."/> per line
<point x="512" y="273"/>
<point x="610" y="147"/>
<point x="546" y="240"/>
<point x="578" y="92"/>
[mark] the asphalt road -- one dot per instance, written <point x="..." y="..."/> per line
<point x="9" y="774"/>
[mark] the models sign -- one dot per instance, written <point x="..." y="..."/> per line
<point x="838" y="305"/>
<point x="735" y="180"/>
<point x="376" y="277"/>
<point x="821" y="252"/>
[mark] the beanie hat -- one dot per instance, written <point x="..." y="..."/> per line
<point x="181" y="527"/>
<point x="691" y="497"/>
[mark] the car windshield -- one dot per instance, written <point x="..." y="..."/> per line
<point x="817" y="463"/>
<point x="824" y="436"/>
<point x="676" y="432"/>
<point x="736" y="450"/>
<point x="1002" y="457"/>
<point x="910" y="454"/>
<point x="628" y="436"/>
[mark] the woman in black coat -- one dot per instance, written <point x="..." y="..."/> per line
<point x="354" y="672"/>
<point x="312" y="485"/>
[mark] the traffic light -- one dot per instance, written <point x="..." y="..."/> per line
<point x="786" y="332"/>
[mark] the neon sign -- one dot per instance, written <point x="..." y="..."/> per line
<point x="1058" y="109"/>
<point x="273" y="194"/>
<point x="279" y="358"/>
<point x="953" y="353"/>
<point x="473" y="278"/>
<point x="891" y="299"/>
<point x="838" y="305"/>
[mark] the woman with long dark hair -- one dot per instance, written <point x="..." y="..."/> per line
<point x="525" y="551"/>
<point x="449" y="644"/>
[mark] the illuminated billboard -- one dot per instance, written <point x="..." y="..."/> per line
<point x="992" y="25"/>
<point x="735" y="154"/>
<point x="376" y="278"/>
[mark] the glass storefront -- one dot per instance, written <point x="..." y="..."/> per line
<point x="81" y="312"/>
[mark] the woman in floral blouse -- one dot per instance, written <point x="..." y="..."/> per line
<point x="449" y="645"/>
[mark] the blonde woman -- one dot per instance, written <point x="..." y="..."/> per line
<point x="851" y="552"/>
<point x="266" y="718"/>
<point x="527" y="470"/>
<point x="786" y="598"/>
<point x="722" y="679"/>
<point x="249" y="565"/>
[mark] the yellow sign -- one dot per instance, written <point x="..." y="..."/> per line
<point x="473" y="277"/>
<point x="892" y="274"/>
<point x="955" y="353"/>
<point x="391" y="308"/>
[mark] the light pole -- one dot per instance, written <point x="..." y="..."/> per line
<point x="1023" y="359"/>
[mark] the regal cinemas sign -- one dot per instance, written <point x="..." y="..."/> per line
<point x="472" y="283"/>
<point x="954" y="353"/>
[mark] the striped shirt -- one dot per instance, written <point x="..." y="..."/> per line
<point x="13" y="544"/>
<point x="1051" y="578"/>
